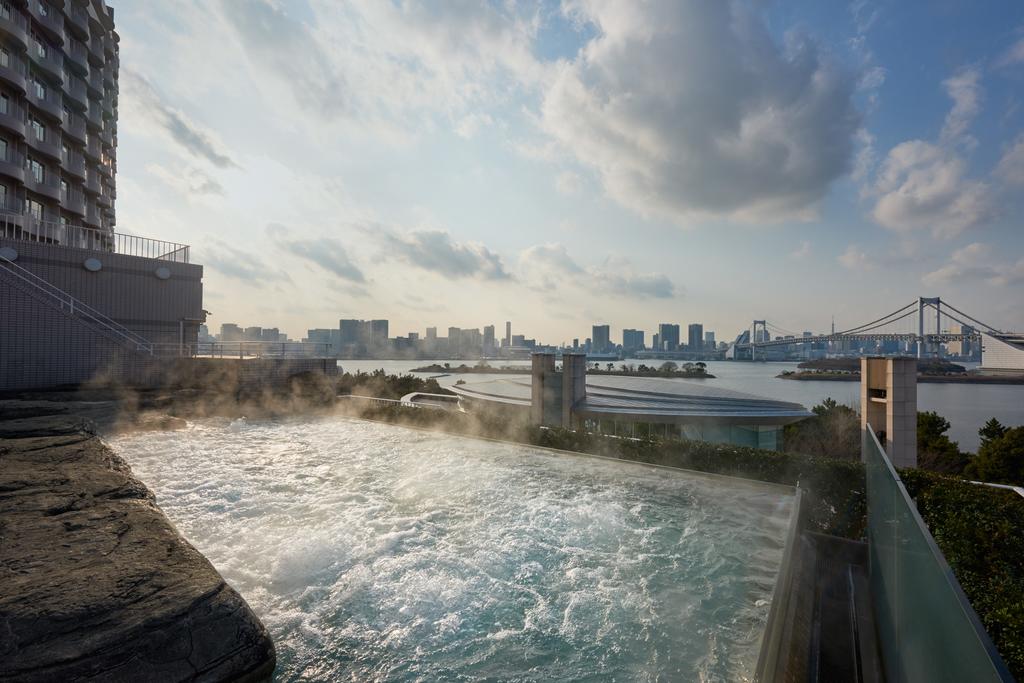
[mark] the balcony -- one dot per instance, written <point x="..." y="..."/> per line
<point x="73" y="164"/>
<point x="74" y="128"/>
<point x="13" y="24"/>
<point x="92" y="183"/>
<point x="92" y="214"/>
<point x="93" y="115"/>
<point x="105" y="171"/>
<point x="50" y="103"/>
<point x="49" y="186"/>
<point x="76" y="18"/>
<point x="14" y="72"/>
<point x="107" y="137"/>
<point x="96" y="57"/>
<point x="12" y="119"/>
<point x="95" y="82"/>
<point x="73" y="200"/>
<point x="77" y="56"/>
<point x="105" y="201"/>
<point x="92" y="148"/>
<point x="74" y="88"/>
<point x="49" y="19"/>
<point x="48" y="146"/>
<point x="48" y="60"/>
<point x="12" y="165"/>
<point x="108" y="76"/>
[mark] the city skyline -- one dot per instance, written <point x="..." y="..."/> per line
<point x="480" y="163"/>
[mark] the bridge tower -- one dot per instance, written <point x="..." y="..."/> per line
<point x="922" y="303"/>
<point x="754" y="339"/>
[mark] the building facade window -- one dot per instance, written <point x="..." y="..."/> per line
<point x="39" y="89"/>
<point x="44" y="10"/>
<point x="63" y="188"/>
<point x="34" y="209"/>
<point x="5" y="57"/>
<point x="5" y="104"/>
<point x="3" y="148"/>
<point x="38" y="129"/>
<point x="3" y="196"/>
<point x="36" y="169"/>
<point x="39" y="45"/>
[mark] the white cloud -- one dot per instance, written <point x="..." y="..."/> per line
<point x="567" y="183"/>
<point x="921" y="186"/>
<point x="974" y="262"/>
<point x="855" y="258"/>
<point x="1011" y="166"/>
<point x="191" y="183"/>
<point x="690" y="109"/>
<point x="803" y="251"/>
<point x="964" y="88"/>
<point x="549" y="266"/>
<point x="1013" y="55"/>
<point x="436" y="251"/>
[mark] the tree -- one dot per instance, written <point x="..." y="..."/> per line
<point x="993" y="429"/>
<point x="935" y="451"/>
<point x="668" y="367"/>
<point x="833" y="432"/>
<point x="611" y="366"/>
<point x="701" y="365"/>
<point x="1000" y="460"/>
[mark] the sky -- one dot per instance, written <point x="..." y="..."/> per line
<point x="561" y="164"/>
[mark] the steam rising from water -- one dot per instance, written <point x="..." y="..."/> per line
<point x="373" y="552"/>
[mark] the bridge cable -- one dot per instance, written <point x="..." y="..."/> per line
<point x="883" y="320"/>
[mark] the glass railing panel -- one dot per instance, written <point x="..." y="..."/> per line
<point x="927" y="629"/>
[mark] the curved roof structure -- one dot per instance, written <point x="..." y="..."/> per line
<point x="648" y="399"/>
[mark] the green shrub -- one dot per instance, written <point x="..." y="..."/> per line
<point x="979" y="531"/>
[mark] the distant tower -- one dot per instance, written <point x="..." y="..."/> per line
<point x="508" y="333"/>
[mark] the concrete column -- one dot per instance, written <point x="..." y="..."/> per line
<point x="888" y="402"/>
<point x="574" y="385"/>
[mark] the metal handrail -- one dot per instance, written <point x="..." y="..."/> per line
<point x="77" y="309"/>
<point x="27" y="228"/>
<point x="251" y="349"/>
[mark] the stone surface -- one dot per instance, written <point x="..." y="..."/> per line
<point x="95" y="582"/>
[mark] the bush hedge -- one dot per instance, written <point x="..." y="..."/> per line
<point x="980" y="531"/>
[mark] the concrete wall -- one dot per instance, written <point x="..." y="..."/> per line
<point x="888" y="402"/>
<point x="999" y="357"/>
<point x="42" y="347"/>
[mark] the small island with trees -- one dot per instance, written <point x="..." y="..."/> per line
<point x="668" y="369"/>
<point x="928" y="370"/>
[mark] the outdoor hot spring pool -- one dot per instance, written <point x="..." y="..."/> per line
<point x="374" y="552"/>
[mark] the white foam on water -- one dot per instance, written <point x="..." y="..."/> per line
<point x="379" y="553"/>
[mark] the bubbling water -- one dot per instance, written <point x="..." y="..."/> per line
<point x="374" y="552"/>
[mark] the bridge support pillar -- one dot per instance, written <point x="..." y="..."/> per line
<point x="888" y="402"/>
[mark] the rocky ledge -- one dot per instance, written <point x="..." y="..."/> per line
<point x="95" y="582"/>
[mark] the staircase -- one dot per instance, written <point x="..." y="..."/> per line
<point x="59" y="300"/>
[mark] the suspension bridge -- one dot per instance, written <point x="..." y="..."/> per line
<point x="925" y="323"/>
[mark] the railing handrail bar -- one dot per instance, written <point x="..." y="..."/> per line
<point x="963" y="603"/>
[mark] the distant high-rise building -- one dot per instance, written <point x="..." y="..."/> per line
<point x="668" y="333"/>
<point x="489" y="339"/>
<point x="601" y="339"/>
<point x="230" y="332"/>
<point x="253" y="334"/>
<point x="632" y="340"/>
<point x="518" y="340"/>
<point x="656" y="341"/>
<point x="695" y="337"/>
<point x="431" y="334"/>
<point x="508" y="333"/>
<point x="270" y="334"/>
<point x="575" y="343"/>
<point x="709" y="341"/>
<point x="350" y="331"/>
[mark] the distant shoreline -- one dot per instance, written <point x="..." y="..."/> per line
<point x="525" y="370"/>
<point x="922" y="379"/>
